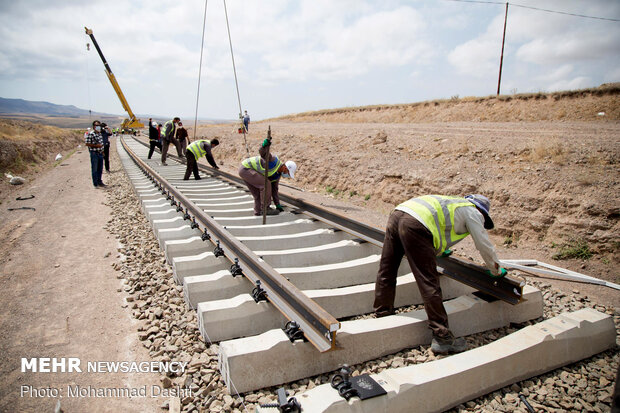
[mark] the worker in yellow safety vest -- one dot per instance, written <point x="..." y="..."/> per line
<point x="168" y="135"/>
<point x="195" y="151"/>
<point x="421" y="229"/>
<point x="252" y="171"/>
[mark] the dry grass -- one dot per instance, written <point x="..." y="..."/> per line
<point x="24" y="131"/>
<point x="586" y="179"/>
<point x="549" y="150"/>
<point x="580" y="105"/>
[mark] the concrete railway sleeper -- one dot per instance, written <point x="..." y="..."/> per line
<point x="328" y="263"/>
<point x="318" y="326"/>
<point x="506" y="289"/>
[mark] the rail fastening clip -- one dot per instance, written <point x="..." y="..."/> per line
<point x="294" y="332"/>
<point x="340" y="381"/>
<point x="235" y="269"/>
<point x="258" y="293"/>
<point x="218" y="251"/>
<point x="283" y="405"/>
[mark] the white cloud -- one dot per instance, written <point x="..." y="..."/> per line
<point x="322" y="44"/>
<point x="569" y="47"/>
<point x="543" y="50"/>
<point x="479" y="57"/>
<point x="288" y="51"/>
<point x="579" y="82"/>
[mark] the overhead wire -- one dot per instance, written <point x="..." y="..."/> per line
<point x="232" y="55"/>
<point x="234" y="388"/>
<point x="536" y="8"/>
<point x="204" y="23"/>
<point x="88" y="83"/>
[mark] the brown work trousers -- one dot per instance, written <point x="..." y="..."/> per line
<point x="256" y="184"/>
<point x="192" y="166"/>
<point x="164" y="149"/>
<point x="405" y="235"/>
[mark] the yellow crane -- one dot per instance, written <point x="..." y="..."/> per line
<point x="132" y="122"/>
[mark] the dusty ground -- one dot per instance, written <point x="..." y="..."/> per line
<point x="59" y="293"/>
<point x="551" y="184"/>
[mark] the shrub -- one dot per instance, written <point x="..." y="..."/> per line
<point x="574" y="248"/>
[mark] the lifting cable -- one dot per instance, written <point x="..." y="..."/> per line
<point x="90" y="112"/>
<point x="235" y="72"/>
<point x="204" y="22"/>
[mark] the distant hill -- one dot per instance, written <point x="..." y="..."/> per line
<point x="42" y="108"/>
<point x="70" y="116"/>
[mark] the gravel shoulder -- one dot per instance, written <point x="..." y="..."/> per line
<point x="64" y="265"/>
<point x="59" y="293"/>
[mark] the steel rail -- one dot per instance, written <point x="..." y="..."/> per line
<point x="318" y="325"/>
<point x="507" y="288"/>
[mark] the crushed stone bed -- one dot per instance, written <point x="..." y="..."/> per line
<point x="169" y="330"/>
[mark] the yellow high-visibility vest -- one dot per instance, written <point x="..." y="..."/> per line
<point x="437" y="213"/>
<point x="196" y="148"/>
<point x="254" y="163"/>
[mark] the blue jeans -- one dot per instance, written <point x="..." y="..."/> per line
<point x="96" y="167"/>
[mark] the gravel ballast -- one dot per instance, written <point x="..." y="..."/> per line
<point x="169" y="330"/>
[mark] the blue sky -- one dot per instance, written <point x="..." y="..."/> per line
<point x="295" y="56"/>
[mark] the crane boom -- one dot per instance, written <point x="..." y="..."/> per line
<point x="132" y="122"/>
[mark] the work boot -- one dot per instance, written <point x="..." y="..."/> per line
<point x="271" y="211"/>
<point x="448" y="345"/>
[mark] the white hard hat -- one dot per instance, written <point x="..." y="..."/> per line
<point x="292" y="167"/>
<point x="154" y="124"/>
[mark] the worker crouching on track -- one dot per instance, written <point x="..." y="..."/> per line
<point x="252" y="171"/>
<point x="422" y="228"/>
<point x="195" y="151"/>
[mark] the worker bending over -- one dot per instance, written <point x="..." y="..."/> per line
<point x="195" y="151"/>
<point x="422" y="228"/>
<point x="168" y="136"/>
<point x="252" y="171"/>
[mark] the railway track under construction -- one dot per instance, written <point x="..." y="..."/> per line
<point x="292" y="298"/>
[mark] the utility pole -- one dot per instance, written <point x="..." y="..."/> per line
<point x="501" y="60"/>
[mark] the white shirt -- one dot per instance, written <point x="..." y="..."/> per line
<point x="469" y="219"/>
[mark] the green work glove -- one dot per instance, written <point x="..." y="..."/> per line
<point x="266" y="143"/>
<point x="280" y="208"/>
<point x="502" y="273"/>
<point x="446" y="253"/>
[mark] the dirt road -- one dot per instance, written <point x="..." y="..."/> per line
<point x="59" y="296"/>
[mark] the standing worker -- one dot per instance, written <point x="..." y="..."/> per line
<point x="252" y="171"/>
<point x="94" y="141"/>
<point x="182" y="138"/>
<point x="153" y="137"/>
<point x="246" y="121"/>
<point x="195" y="151"/>
<point x="168" y="136"/>
<point x="105" y="134"/>
<point x="422" y="228"/>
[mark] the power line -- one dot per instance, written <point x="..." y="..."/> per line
<point x="537" y="8"/>
<point x="566" y="13"/>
